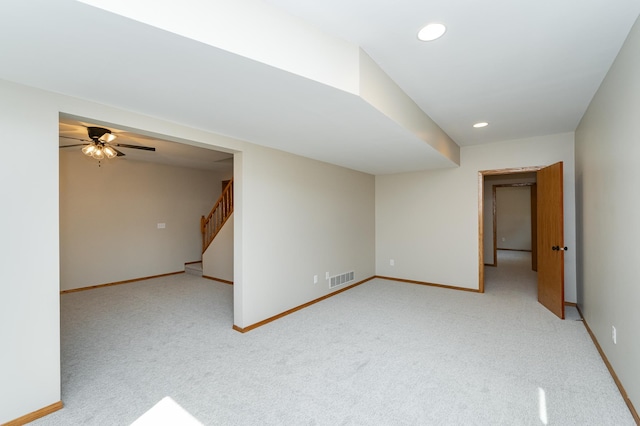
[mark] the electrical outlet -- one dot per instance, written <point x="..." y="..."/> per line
<point x="315" y="279"/>
<point x="392" y="262"/>
<point x="614" y="336"/>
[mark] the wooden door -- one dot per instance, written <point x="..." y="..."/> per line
<point x="534" y="227"/>
<point x="550" y="244"/>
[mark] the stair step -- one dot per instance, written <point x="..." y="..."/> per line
<point x="194" y="269"/>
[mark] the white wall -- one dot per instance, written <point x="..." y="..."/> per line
<point x="305" y="218"/>
<point x="427" y="222"/>
<point x="513" y="217"/>
<point x="29" y="305"/>
<point x="607" y="177"/>
<point x="109" y="216"/>
<point x="217" y="260"/>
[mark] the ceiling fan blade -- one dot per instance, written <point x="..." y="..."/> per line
<point x="120" y="153"/>
<point x="144" y="148"/>
<point x="75" y="139"/>
<point x="75" y="144"/>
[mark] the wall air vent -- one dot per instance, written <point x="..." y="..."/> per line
<point x="338" y="280"/>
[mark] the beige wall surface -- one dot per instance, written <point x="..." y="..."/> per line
<point x="109" y="216"/>
<point x="305" y="218"/>
<point x="427" y="222"/>
<point x="513" y="217"/>
<point x="607" y="178"/>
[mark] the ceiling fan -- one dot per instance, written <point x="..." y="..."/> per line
<point x="100" y="144"/>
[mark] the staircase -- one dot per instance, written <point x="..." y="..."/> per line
<point x="212" y="224"/>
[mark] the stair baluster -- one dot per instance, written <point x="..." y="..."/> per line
<point x="211" y="225"/>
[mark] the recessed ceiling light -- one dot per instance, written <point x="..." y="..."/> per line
<point x="431" y="32"/>
<point x="481" y="124"/>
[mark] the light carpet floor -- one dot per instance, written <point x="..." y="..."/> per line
<point x="382" y="353"/>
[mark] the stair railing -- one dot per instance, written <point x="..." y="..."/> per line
<point x="212" y="224"/>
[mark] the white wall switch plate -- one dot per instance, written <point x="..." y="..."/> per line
<point x="162" y="225"/>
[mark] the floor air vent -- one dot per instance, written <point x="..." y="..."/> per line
<point x="341" y="279"/>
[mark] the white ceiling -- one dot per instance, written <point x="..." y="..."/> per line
<point x="529" y="68"/>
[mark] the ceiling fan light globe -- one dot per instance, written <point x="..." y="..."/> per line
<point x="98" y="153"/>
<point x="88" y="149"/>
<point x="109" y="152"/>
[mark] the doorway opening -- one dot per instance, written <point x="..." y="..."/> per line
<point x="549" y="241"/>
<point x="514" y="216"/>
<point x="487" y="221"/>
<point x="136" y="215"/>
